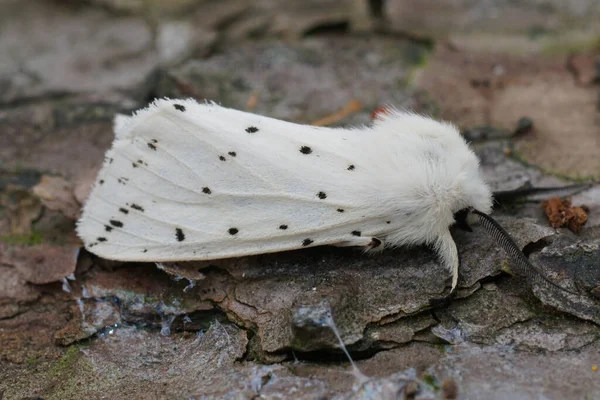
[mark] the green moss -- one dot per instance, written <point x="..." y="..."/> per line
<point x="150" y="299"/>
<point x="64" y="364"/>
<point x="443" y="347"/>
<point x="557" y="47"/>
<point x="31" y="239"/>
<point x="432" y="381"/>
<point x="72" y="377"/>
<point x="505" y="267"/>
<point x="416" y="55"/>
<point x="536" y="31"/>
<point x="417" y="58"/>
<point x="31" y="361"/>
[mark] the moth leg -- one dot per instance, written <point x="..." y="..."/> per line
<point x="448" y="253"/>
<point x="370" y="242"/>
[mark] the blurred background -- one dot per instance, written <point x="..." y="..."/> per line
<point x="476" y="63"/>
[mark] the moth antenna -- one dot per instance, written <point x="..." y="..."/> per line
<point x="522" y="263"/>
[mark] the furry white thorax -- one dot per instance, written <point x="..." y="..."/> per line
<point x="189" y="181"/>
<point x="443" y="175"/>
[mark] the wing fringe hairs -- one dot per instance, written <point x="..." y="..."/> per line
<point x="190" y="181"/>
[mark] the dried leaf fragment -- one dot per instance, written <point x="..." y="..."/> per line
<point x="562" y="213"/>
<point x="352" y="107"/>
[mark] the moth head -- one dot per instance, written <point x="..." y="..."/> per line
<point x="460" y="219"/>
<point x="476" y="194"/>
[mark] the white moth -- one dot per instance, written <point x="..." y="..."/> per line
<point x="190" y="181"/>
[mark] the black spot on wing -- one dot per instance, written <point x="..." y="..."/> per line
<point x="351" y="167"/>
<point x="206" y="190"/>
<point x="108" y="228"/>
<point x="152" y="146"/>
<point x="222" y="158"/>
<point x="305" y="150"/>
<point x="307" y="242"/>
<point x="145" y="251"/>
<point x="134" y="165"/>
<point x="179" y="235"/>
<point x="124" y="210"/>
<point x="179" y="107"/>
<point x="233" y="231"/>
<point x="137" y="207"/>
<point x="251" y="129"/>
<point x="322" y="195"/>
<point x="356" y="233"/>
<point x="232" y="153"/>
<point x="101" y="181"/>
<point x="340" y="210"/>
<point x="101" y="239"/>
<point x="388" y="222"/>
<point x="116" y="223"/>
<point x="374" y="243"/>
<point x="283" y="227"/>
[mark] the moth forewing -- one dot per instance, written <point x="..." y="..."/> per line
<point x="190" y="181"/>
